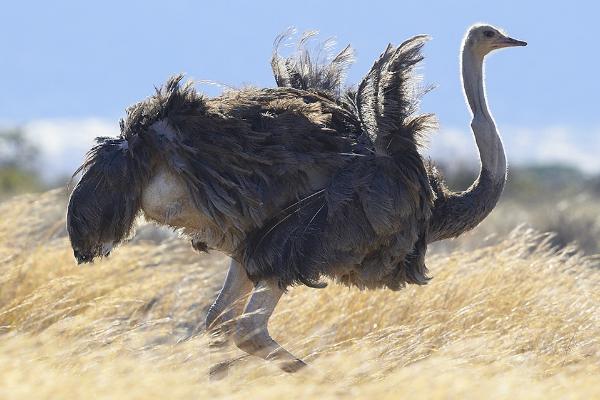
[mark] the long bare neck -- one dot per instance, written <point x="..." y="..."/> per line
<point x="491" y="151"/>
<point x="455" y="213"/>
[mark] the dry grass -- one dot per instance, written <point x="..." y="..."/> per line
<point x="573" y="219"/>
<point x="514" y="320"/>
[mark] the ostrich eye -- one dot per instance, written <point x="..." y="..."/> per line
<point x="489" y="34"/>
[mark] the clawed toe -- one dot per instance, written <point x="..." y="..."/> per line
<point x="292" y="366"/>
<point x="219" y="371"/>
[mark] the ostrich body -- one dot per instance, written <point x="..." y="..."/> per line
<point x="294" y="183"/>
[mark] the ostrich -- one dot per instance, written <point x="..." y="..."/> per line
<point x="295" y="183"/>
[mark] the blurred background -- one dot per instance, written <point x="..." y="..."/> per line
<point x="69" y="69"/>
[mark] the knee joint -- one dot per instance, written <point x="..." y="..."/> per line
<point x="245" y="337"/>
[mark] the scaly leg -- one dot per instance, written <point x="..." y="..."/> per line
<point x="230" y="301"/>
<point x="251" y="333"/>
<point x="228" y="306"/>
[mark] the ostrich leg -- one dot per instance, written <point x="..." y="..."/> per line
<point x="228" y="306"/>
<point x="230" y="301"/>
<point x="251" y="334"/>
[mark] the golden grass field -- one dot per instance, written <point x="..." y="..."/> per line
<point x="514" y="320"/>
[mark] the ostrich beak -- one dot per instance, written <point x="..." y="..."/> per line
<point x="510" y="42"/>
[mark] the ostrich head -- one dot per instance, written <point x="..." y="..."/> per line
<point x="482" y="39"/>
<point x="107" y="199"/>
<point x="105" y="202"/>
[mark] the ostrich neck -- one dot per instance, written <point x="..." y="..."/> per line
<point x="455" y="213"/>
<point x="472" y="78"/>
<point x="491" y="152"/>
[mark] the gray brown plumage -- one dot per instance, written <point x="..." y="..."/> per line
<point x="290" y="174"/>
<point x="295" y="183"/>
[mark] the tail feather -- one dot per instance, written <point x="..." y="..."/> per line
<point x="303" y="70"/>
<point x="387" y="99"/>
<point x="385" y="102"/>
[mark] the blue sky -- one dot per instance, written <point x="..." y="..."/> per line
<point x="69" y="61"/>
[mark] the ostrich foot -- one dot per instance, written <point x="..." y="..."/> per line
<point x="292" y="366"/>
<point x="219" y="371"/>
<point x="252" y="335"/>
